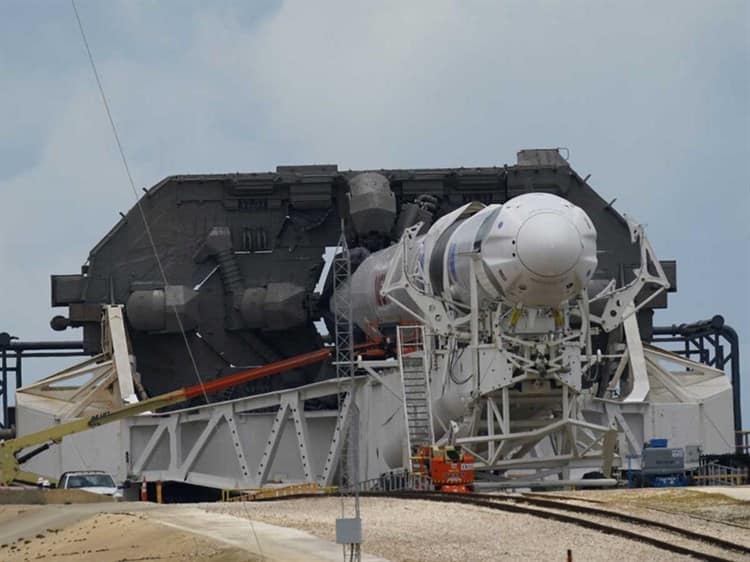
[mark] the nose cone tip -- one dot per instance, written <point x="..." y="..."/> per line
<point x="548" y="244"/>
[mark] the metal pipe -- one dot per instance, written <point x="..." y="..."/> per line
<point x="700" y="328"/>
<point x="20" y="349"/>
<point x="19" y="375"/>
<point x="45" y="345"/>
<point x="734" y="342"/>
<point x="704" y="329"/>
<point x="4" y="371"/>
<point x="593" y="483"/>
<point x="51" y="354"/>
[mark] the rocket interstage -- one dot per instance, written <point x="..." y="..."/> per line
<point x="536" y="250"/>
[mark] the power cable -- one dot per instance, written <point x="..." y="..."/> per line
<point x="148" y="230"/>
<point x="146" y="226"/>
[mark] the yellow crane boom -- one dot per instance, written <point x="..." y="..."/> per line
<point x="10" y="461"/>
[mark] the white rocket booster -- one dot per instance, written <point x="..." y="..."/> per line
<point x="536" y="250"/>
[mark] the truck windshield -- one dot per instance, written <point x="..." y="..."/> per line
<point x="90" y="481"/>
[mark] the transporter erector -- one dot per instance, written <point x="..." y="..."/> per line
<point x="511" y="308"/>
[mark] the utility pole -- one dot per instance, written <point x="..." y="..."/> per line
<point x="349" y="525"/>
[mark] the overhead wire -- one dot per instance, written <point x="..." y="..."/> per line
<point x="149" y="233"/>
<point x="139" y="205"/>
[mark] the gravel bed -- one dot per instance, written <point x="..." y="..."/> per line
<point x="702" y="511"/>
<point x="683" y="519"/>
<point x="662" y="534"/>
<point x="415" y="530"/>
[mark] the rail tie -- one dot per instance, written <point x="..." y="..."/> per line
<point x="513" y="505"/>
<point x="537" y="507"/>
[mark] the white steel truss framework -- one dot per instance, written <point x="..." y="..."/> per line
<point x="497" y="442"/>
<point x="92" y="386"/>
<point x="245" y="443"/>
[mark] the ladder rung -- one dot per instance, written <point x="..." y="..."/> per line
<point x="414" y="385"/>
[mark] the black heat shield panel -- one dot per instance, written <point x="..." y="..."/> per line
<point x="280" y="224"/>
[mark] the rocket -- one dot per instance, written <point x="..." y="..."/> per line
<point x="536" y="250"/>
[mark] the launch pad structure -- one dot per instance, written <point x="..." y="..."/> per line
<point x="511" y="306"/>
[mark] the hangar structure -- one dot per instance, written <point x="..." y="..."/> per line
<point x="506" y="310"/>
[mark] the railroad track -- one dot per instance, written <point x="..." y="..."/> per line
<point x="691" y="543"/>
<point x="671" y="538"/>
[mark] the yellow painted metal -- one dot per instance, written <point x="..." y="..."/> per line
<point x="293" y="490"/>
<point x="557" y="315"/>
<point x="608" y="451"/>
<point x="9" y="465"/>
<point x="515" y="316"/>
<point x="25" y="477"/>
<point x="10" y="469"/>
<point x="275" y="492"/>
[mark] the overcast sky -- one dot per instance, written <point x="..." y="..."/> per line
<point x="651" y="98"/>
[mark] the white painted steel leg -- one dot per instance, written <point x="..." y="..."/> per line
<point x="300" y="426"/>
<point x="337" y="441"/>
<point x="273" y="442"/>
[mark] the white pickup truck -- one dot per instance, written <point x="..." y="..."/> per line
<point x="96" y="481"/>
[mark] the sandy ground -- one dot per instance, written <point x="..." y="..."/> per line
<point x="130" y="532"/>
<point x="119" y="537"/>
<point x="31" y="496"/>
<point x="303" y="530"/>
<point x="735" y="492"/>
<point x="728" y="506"/>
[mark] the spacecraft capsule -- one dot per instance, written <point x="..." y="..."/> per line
<point x="536" y="250"/>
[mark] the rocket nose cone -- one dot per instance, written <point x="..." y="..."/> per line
<point x="548" y="244"/>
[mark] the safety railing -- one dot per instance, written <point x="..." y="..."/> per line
<point x="400" y="480"/>
<point x="714" y="474"/>
<point x="397" y="481"/>
<point x="270" y="492"/>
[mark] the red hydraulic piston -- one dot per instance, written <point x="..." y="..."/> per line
<point x="257" y="373"/>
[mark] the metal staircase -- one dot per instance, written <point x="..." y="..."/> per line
<point x="412" y="362"/>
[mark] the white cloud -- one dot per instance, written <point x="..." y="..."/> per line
<point x="649" y="98"/>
